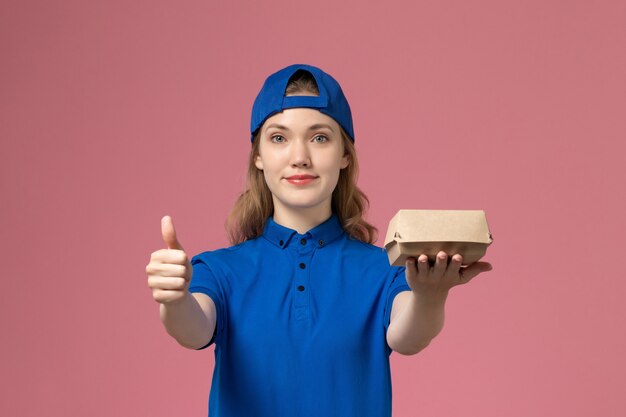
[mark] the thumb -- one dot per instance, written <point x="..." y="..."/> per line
<point x="169" y="233"/>
<point x="474" y="269"/>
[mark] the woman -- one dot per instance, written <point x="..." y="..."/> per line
<point x="302" y="308"/>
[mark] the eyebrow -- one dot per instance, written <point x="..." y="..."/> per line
<point x="312" y="127"/>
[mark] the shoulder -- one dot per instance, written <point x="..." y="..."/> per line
<point x="370" y="257"/>
<point x="364" y="246"/>
<point x="227" y="254"/>
<point x="360" y="248"/>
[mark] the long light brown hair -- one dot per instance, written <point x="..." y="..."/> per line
<point x="253" y="207"/>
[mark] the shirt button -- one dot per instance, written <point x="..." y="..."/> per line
<point x="300" y="288"/>
<point x="321" y="242"/>
<point x="303" y="241"/>
<point x="302" y="265"/>
<point x="281" y="243"/>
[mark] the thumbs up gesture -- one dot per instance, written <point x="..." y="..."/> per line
<point x="169" y="270"/>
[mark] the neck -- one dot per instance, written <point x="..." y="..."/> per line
<point x="301" y="220"/>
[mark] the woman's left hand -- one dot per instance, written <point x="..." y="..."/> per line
<point x="438" y="279"/>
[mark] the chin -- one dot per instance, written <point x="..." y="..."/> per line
<point x="303" y="203"/>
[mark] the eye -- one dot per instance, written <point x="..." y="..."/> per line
<point x="277" y="139"/>
<point x="320" y="139"/>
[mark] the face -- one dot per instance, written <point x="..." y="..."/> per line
<point x="301" y="153"/>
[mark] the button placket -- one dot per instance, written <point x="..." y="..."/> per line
<point x="305" y="250"/>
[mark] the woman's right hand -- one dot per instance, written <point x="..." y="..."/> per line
<point x="169" y="270"/>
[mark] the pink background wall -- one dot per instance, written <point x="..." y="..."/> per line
<point x="115" y="113"/>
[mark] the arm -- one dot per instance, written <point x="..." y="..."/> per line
<point x="415" y="321"/>
<point x="191" y="321"/>
<point x="188" y="318"/>
<point x="417" y="316"/>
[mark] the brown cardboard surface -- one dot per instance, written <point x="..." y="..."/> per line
<point x="413" y="232"/>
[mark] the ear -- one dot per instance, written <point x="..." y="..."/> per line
<point x="258" y="162"/>
<point x="345" y="161"/>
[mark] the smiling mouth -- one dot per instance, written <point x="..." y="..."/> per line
<point x="301" y="179"/>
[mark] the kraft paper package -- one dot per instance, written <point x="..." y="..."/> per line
<point x="416" y="232"/>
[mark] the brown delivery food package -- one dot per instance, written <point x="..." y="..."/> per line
<point x="413" y="232"/>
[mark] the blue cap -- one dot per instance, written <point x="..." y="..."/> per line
<point x="271" y="99"/>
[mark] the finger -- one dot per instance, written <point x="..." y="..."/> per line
<point x="169" y="256"/>
<point x="166" y="270"/>
<point x="474" y="269"/>
<point x="167" y="296"/>
<point x="455" y="264"/>
<point x="411" y="268"/>
<point x="441" y="264"/>
<point x="172" y="283"/>
<point x="422" y="265"/>
<point x="169" y="233"/>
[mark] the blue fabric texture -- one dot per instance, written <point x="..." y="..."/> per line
<point x="301" y="324"/>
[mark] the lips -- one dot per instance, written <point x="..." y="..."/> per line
<point x="301" y="179"/>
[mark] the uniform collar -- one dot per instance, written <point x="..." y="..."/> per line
<point x="320" y="235"/>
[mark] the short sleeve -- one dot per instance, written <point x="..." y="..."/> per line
<point x="396" y="282"/>
<point x="205" y="281"/>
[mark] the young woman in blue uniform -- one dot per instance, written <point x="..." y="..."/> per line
<point x="303" y="310"/>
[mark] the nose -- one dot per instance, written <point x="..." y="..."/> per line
<point x="300" y="156"/>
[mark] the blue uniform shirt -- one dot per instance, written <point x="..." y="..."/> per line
<point x="301" y="324"/>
